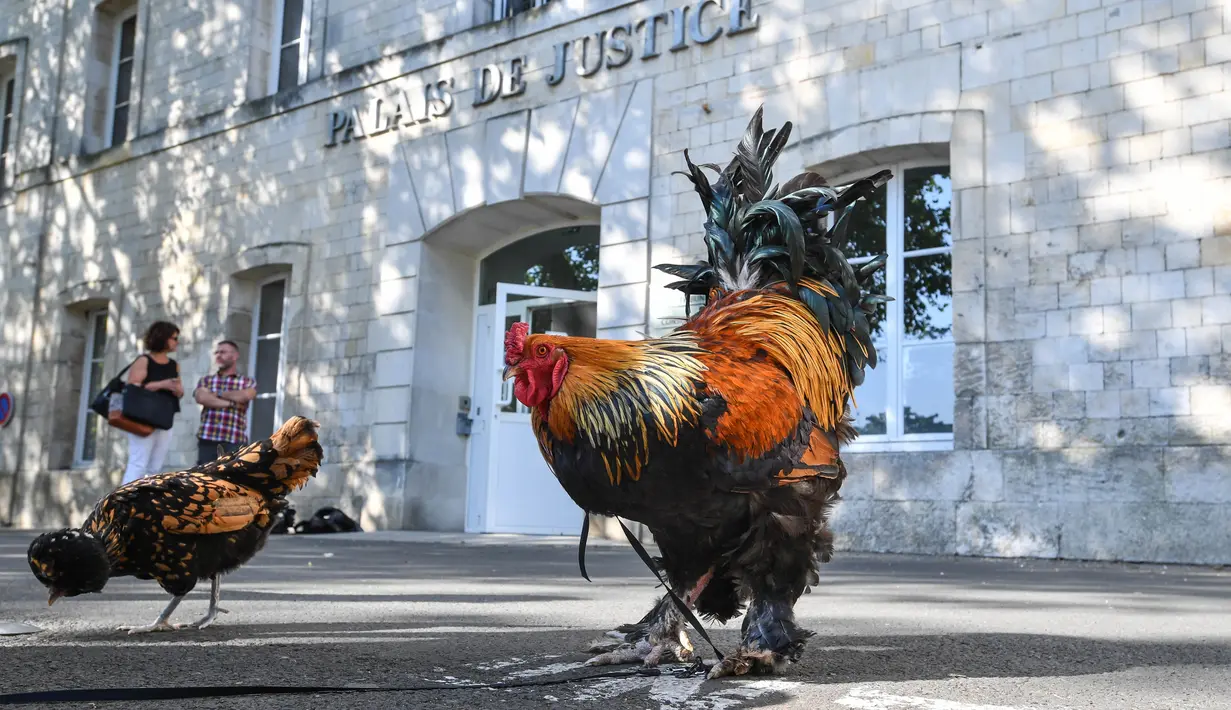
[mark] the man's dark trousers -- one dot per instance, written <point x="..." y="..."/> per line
<point x="208" y="450"/>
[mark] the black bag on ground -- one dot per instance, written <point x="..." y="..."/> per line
<point x="327" y="520"/>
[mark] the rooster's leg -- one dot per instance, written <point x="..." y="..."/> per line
<point x="161" y="623"/>
<point x="215" y="593"/>
<point x="659" y="637"/>
<point x="771" y="638"/>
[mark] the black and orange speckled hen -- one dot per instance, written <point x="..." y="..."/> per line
<point x="179" y="528"/>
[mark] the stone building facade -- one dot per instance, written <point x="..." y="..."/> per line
<point x="343" y="186"/>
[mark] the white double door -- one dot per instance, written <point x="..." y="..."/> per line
<point x="510" y="487"/>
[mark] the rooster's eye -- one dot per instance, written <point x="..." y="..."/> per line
<point x="540" y="350"/>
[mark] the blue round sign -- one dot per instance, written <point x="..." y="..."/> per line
<point x="6" y="408"/>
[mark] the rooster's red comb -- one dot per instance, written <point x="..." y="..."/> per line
<point x="515" y="342"/>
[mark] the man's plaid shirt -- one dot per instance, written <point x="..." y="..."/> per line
<point x="225" y="424"/>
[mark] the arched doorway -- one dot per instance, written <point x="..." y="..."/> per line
<point x="448" y="211"/>
<point x="548" y="280"/>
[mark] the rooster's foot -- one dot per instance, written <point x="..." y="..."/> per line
<point x="749" y="661"/>
<point x="162" y="625"/>
<point x="617" y="637"/>
<point x="643" y="652"/>
<point x="772" y="639"/>
<point x="633" y="645"/>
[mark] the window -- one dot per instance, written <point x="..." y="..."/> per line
<point x="559" y="258"/>
<point x="907" y="401"/>
<point x="86" y="447"/>
<point x="266" y="360"/>
<point x="8" y="98"/>
<point x="124" y="49"/>
<point x="508" y="8"/>
<point x="288" y="67"/>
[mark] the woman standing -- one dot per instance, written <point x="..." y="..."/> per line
<point x="155" y="371"/>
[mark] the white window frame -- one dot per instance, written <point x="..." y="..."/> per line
<point x="88" y="388"/>
<point x="252" y="343"/>
<point x="276" y="46"/>
<point x="7" y="153"/>
<point x="894" y="339"/>
<point x="118" y="25"/>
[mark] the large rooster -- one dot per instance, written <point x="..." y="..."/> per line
<point x="723" y="436"/>
<point x="180" y="528"/>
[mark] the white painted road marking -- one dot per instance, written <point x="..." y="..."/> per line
<point x="869" y="698"/>
<point x="670" y="693"/>
<point x="667" y="691"/>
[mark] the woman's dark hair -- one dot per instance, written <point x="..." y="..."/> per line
<point x="158" y="336"/>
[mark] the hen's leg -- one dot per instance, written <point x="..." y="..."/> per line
<point x="659" y="637"/>
<point x="215" y="593"/>
<point x="161" y="623"/>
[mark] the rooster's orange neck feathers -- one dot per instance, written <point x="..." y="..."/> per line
<point x="617" y="391"/>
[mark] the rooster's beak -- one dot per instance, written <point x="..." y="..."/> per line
<point x="55" y="594"/>
<point x="510" y="371"/>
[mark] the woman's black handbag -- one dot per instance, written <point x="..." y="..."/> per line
<point x="101" y="404"/>
<point x="142" y="405"/>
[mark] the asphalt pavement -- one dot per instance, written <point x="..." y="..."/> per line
<point x="918" y="633"/>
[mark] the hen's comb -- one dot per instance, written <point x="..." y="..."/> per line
<point x="515" y="342"/>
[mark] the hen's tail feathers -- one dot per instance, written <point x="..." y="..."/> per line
<point x="762" y="236"/>
<point x="275" y="466"/>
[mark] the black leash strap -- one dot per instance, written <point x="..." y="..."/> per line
<point x="88" y="695"/>
<point x="649" y="562"/>
<point x="679" y="603"/>
<point x="581" y="549"/>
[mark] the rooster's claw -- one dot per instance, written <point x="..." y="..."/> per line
<point x="748" y="661"/>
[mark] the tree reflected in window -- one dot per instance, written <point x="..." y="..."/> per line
<point x="574" y="268"/>
<point x="910" y="394"/>
<point x="928" y="290"/>
<point x="564" y="258"/>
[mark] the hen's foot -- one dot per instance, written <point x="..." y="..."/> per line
<point x="633" y="644"/>
<point x="150" y="628"/>
<point x="208" y="619"/>
<point x="161" y="623"/>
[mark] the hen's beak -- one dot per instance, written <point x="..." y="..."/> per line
<point x="510" y="371"/>
<point x="55" y="594"/>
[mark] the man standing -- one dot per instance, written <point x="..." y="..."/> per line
<point x="224" y="399"/>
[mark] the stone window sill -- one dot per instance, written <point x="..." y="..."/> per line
<point x="874" y="447"/>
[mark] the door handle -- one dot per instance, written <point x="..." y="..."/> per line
<point x="506" y="393"/>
